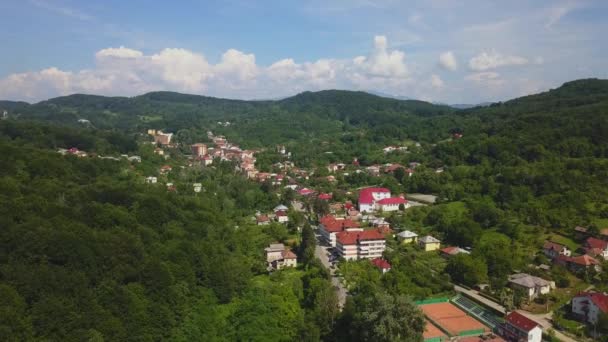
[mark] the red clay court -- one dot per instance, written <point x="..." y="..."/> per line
<point x="432" y="332"/>
<point x="451" y="319"/>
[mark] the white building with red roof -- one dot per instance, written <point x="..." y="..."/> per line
<point x="367" y="244"/>
<point x="329" y="226"/>
<point x="518" y="327"/>
<point x="589" y="305"/>
<point x="596" y="247"/>
<point x="281" y="216"/>
<point x="382" y="264"/>
<point x="369" y="196"/>
<point x="391" y="204"/>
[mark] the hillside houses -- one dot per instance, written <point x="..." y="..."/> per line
<point x="531" y="285"/>
<point x="588" y="306"/>
<point x="354" y="245"/>
<point x="278" y="257"/>
<point x="552" y="250"/>
<point x="329" y="226"/>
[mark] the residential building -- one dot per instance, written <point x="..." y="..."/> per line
<point x="199" y="149"/>
<point x="278" y="257"/>
<point x="553" y="249"/>
<point x="429" y="243"/>
<point x="367" y="244"/>
<point x="579" y="263"/>
<point x="407" y="236"/>
<point x="382" y="264"/>
<point x="280" y="207"/>
<point x="451" y="251"/>
<point x="281" y="216"/>
<point x="165" y="169"/>
<point x="151" y="180"/>
<point x="262" y="220"/>
<point x="596" y="247"/>
<point x="163" y="138"/>
<point x="518" y="327"/>
<point x="369" y="196"/>
<point x="589" y="305"/>
<point x="329" y="226"/>
<point x="531" y="285"/>
<point x="197" y="187"/>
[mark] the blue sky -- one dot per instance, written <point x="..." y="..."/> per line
<point x="436" y="50"/>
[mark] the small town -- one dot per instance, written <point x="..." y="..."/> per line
<point x="359" y="228"/>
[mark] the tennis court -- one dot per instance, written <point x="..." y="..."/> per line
<point x="432" y="333"/>
<point x="452" y="320"/>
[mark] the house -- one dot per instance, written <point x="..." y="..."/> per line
<point x="151" y="180"/>
<point x="369" y="196"/>
<point x="579" y="263"/>
<point x="553" y="249"/>
<point x="165" y="169"/>
<point x="518" y="327"/>
<point x="325" y="197"/>
<point x="280" y="207"/>
<point x="531" y="285"/>
<point x="589" y="305"/>
<point x="329" y="226"/>
<point x="429" y="243"/>
<point x="596" y="247"/>
<point x="281" y="216"/>
<point x="197" y="187"/>
<point x="391" y="204"/>
<point x="198" y="149"/>
<point x="451" y="251"/>
<point x="277" y="256"/>
<point x="262" y="220"/>
<point x="382" y="264"/>
<point x="581" y="232"/>
<point x="373" y="170"/>
<point x="367" y="244"/>
<point x="163" y="138"/>
<point x="306" y="192"/>
<point x="407" y="236"/>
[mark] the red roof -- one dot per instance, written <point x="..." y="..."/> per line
<point x="392" y="200"/>
<point x="599" y="299"/>
<point x="520" y="321"/>
<point x="550" y="245"/>
<point x="584" y="260"/>
<point x="325" y="196"/>
<point x="596" y="243"/>
<point x="332" y="224"/>
<point x="450" y="250"/>
<point x="263" y="218"/>
<point x="281" y="213"/>
<point x="366" y="197"/>
<point x="351" y="238"/>
<point x="288" y="254"/>
<point x="381" y="264"/>
<point x="305" y="191"/>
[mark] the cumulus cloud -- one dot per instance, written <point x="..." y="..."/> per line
<point x="486" y="78"/>
<point x="436" y="81"/>
<point x="447" y="60"/>
<point x="125" y="71"/>
<point x="492" y="60"/>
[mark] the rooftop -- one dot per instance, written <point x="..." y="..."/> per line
<point x="526" y="280"/>
<point x="521" y="322"/>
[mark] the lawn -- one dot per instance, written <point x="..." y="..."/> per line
<point x="564" y="241"/>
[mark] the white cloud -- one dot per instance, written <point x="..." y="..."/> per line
<point x="382" y="62"/>
<point x="486" y="78"/>
<point x="62" y="10"/>
<point x="436" y="81"/>
<point x="447" y="60"/>
<point x="121" y="52"/>
<point x="486" y="61"/>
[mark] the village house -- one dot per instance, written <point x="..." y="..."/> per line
<point x="552" y="250"/>
<point x="325" y="197"/>
<point x="579" y="263"/>
<point x="163" y="138"/>
<point x="448" y="252"/>
<point x="429" y="243"/>
<point x="281" y="216"/>
<point x="588" y="306"/>
<point x="198" y="149"/>
<point x="197" y="187"/>
<point x="596" y="247"/>
<point x="262" y="220"/>
<point x="329" y="226"/>
<point x="354" y="245"/>
<point x="305" y="192"/>
<point x="581" y="232"/>
<point x="280" y="207"/>
<point x="518" y="327"/>
<point x="159" y="151"/>
<point x="278" y="257"/>
<point x="407" y="236"/>
<point x="373" y="170"/>
<point x="531" y="285"/>
<point x="382" y="264"/>
<point x="151" y="180"/>
<point x="165" y="169"/>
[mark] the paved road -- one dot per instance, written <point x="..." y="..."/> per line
<point x="321" y="253"/>
<point x="543" y="319"/>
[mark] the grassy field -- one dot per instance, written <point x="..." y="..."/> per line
<point x="566" y="241"/>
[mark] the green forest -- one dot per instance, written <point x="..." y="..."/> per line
<point x="89" y="252"/>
